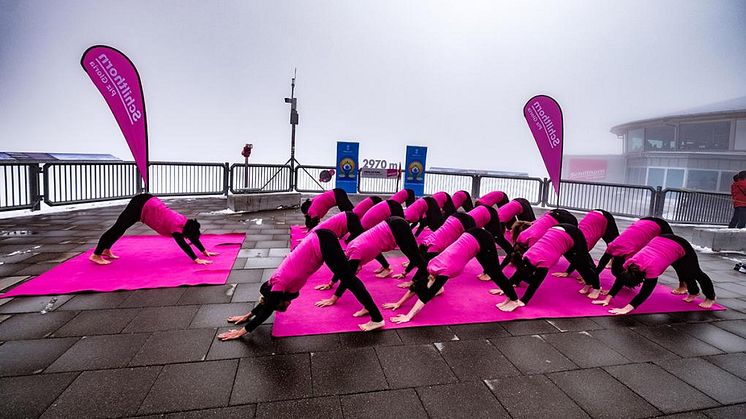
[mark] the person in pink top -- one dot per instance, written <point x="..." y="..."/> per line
<point x="316" y="209"/>
<point x="445" y="203"/>
<point x="561" y="240"/>
<point x="380" y="212"/>
<point x="424" y="212"/>
<point x="462" y="199"/>
<point x="404" y="197"/>
<point x="318" y="248"/>
<point x="596" y="225"/>
<point x="498" y="198"/>
<point x="525" y="234"/>
<point x="363" y="206"/>
<point x="518" y="209"/>
<point x="384" y="237"/>
<point x="342" y="224"/>
<point x="430" y="279"/>
<point x="645" y="266"/>
<point x="156" y="215"/>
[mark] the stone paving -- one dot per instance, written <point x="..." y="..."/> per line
<point x="154" y="353"/>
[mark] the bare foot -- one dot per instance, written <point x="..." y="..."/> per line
<point x="585" y="289"/>
<point x="689" y="298"/>
<point x="379" y="270"/>
<point x="371" y="325"/>
<point x="405" y="284"/>
<point x="107" y="253"/>
<point x="496" y="291"/>
<point x="399" y="276"/>
<point x="323" y="287"/>
<point x="97" y="259"/>
<point x="484" y="277"/>
<point x="405" y="264"/>
<point x="707" y="303"/>
<point x="360" y="313"/>
<point x="561" y="274"/>
<point x="390" y="306"/>
<point x="440" y="291"/>
<point x="510" y="305"/>
<point x="679" y="291"/>
<point x="383" y="273"/>
<point x="239" y="319"/>
<point x="594" y="294"/>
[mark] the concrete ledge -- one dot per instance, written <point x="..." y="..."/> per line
<point x="263" y="202"/>
<point x="720" y="239"/>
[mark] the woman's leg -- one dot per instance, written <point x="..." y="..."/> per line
<point x="129" y="217"/>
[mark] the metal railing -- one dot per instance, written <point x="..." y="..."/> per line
<point x="20" y="186"/>
<point x="378" y="186"/>
<point x="172" y="179"/>
<point x="448" y="182"/>
<point x="80" y="182"/>
<point x="531" y="188"/>
<point x="307" y="179"/>
<point x="679" y="205"/>
<point x="260" y="178"/>
<point x="626" y="200"/>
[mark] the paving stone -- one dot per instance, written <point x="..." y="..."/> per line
<point x="600" y="395"/>
<point x="466" y="400"/>
<point x="96" y="301"/>
<point x="613" y="322"/>
<point x="259" y="342"/>
<point x="534" y="396"/>
<point x="9" y="281"/>
<point x="260" y="237"/>
<point x="727" y="412"/>
<point x="154" y="319"/>
<point x="262" y="263"/>
<point x="737" y="327"/>
<point x="153" y="297"/>
<point x="346" y="371"/>
<point x="479" y="331"/>
<point x="35" y="269"/>
<point x="216" y="315"/>
<point x="232" y="412"/>
<point x="574" y="324"/>
<point x="722" y="386"/>
<point x="731" y="303"/>
<point x="687" y="415"/>
<point x="631" y="345"/>
<point x="461" y="357"/>
<point x="311" y="343"/>
<point x="267" y="273"/>
<point x="13" y="269"/>
<point x="584" y="350"/>
<point x="383" y="404"/>
<point x="253" y="253"/>
<point x="431" y="334"/>
<point x="34" y="304"/>
<point x="660" y="388"/>
<point x="317" y="407"/>
<point x="207" y="294"/>
<point x="33" y="325"/>
<point x="29" y="396"/>
<point x="191" y="386"/>
<point x="98" y="322"/>
<point x="107" y="393"/>
<point x="245" y="276"/>
<point x="271" y="244"/>
<point x="663" y="319"/>
<point x="246" y="293"/>
<point x="529" y="327"/>
<point x="725" y="341"/>
<point x="175" y="346"/>
<point x="415" y="365"/>
<point x="375" y="338"/>
<point x="532" y="355"/>
<point x="733" y="363"/>
<point x="677" y="342"/>
<point x="31" y="356"/>
<point x="98" y="352"/>
<point x="271" y="378"/>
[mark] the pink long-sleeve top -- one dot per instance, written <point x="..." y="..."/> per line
<point x="363" y="206"/>
<point x="375" y="215"/>
<point x="400" y="197"/>
<point x="321" y="204"/>
<point x="371" y="243"/>
<point x="458" y="198"/>
<point x="550" y="247"/>
<point x="337" y="223"/>
<point x="492" y="198"/>
<point x="593" y="226"/>
<point x="658" y="255"/>
<point x="509" y="211"/>
<point x="481" y="215"/>
<point x="537" y="229"/>
<point x="165" y="221"/>
<point x="443" y="237"/>
<point x="298" y="266"/>
<point x="417" y="210"/>
<point x="441" y="198"/>
<point x="452" y="261"/>
<point x="634" y="238"/>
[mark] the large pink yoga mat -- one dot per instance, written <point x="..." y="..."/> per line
<point x="144" y="262"/>
<point x="466" y="300"/>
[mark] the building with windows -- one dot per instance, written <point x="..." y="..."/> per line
<point x="700" y="148"/>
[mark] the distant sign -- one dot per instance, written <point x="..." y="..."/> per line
<point x="379" y="173"/>
<point x="587" y="169"/>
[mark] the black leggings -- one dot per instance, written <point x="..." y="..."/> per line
<point x="129" y="217"/>
<point x="342" y="200"/>
<point x="334" y="258"/>
<point x="532" y="275"/>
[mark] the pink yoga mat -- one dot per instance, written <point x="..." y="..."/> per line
<point x="466" y="300"/>
<point x="144" y="262"/>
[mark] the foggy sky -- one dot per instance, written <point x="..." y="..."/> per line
<point x="450" y="75"/>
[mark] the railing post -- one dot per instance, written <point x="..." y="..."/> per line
<point x="657" y="202"/>
<point x="226" y="177"/>
<point x="138" y="180"/>
<point x="544" y="191"/>
<point x="34" y="187"/>
<point x="476" y="185"/>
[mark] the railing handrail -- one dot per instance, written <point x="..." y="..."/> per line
<point x="617" y="185"/>
<point x="683" y="190"/>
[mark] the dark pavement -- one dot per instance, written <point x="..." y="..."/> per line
<point x="154" y="352"/>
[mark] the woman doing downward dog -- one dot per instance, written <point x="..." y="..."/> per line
<point x="445" y="203"/>
<point x="319" y="247"/>
<point x="404" y="197"/>
<point x="498" y="198"/>
<point x="645" y="266"/>
<point x="430" y="279"/>
<point x="525" y="234"/>
<point x="462" y="199"/>
<point x="424" y="212"/>
<point x="380" y="212"/>
<point x="518" y="209"/>
<point x="156" y="215"/>
<point x="561" y="240"/>
<point x="596" y="225"/>
<point x="363" y="206"/>
<point x="316" y="209"/>
<point x="384" y="237"/>
<point x="341" y="224"/>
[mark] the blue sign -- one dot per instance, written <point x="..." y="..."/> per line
<point x="347" y="166"/>
<point x="414" y="173"/>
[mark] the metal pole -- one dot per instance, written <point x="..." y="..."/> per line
<point x="246" y="173"/>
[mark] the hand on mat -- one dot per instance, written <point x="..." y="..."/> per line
<point x="209" y="253"/>
<point x="232" y="334"/>
<point x="605" y="302"/>
<point x="323" y="287"/>
<point x="594" y="293"/>
<point x="391" y="306"/>
<point x="484" y="277"/>
<point x="406" y="284"/>
<point x="383" y="273"/>
<point x="326" y="302"/>
<point x="561" y="274"/>
<point x="496" y="291"/>
<point x="405" y="264"/>
<point x="624" y="310"/>
<point x="402" y="318"/>
<point x="239" y="319"/>
<point x="400" y="276"/>
<point x="202" y="261"/>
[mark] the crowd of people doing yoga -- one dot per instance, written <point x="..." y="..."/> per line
<point x="460" y="230"/>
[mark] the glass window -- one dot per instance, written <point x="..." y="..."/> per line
<point x="704" y="136"/>
<point x="740" y="134"/>
<point x="636" y="175"/>
<point x="726" y="178"/>
<point x="703" y="180"/>
<point x="675" y="178"/>
<point x="655" y="176"/>
<point x="660" y="138"/>
<point x="635" y="139"/>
